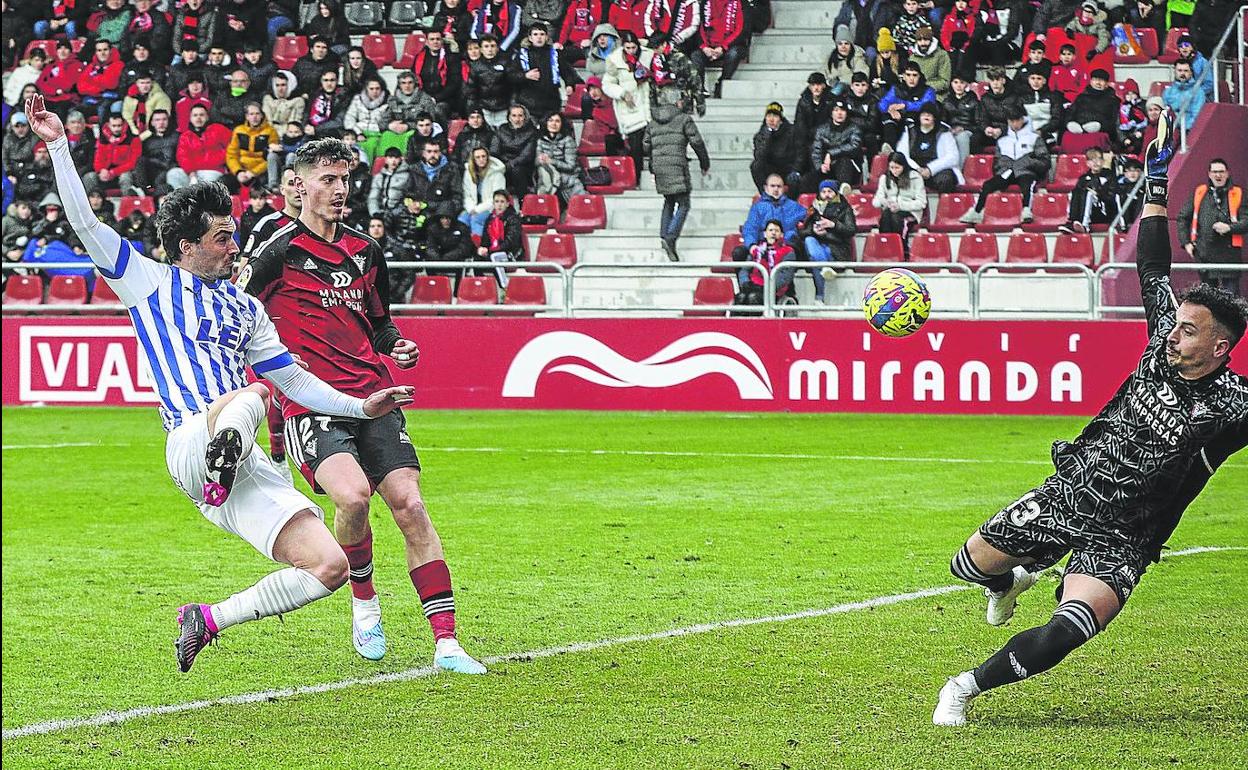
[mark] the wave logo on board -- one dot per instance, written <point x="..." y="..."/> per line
<point x="679" y="362"/>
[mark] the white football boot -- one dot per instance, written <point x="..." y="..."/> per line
<point x="449" y="656"/>
<point x="1001" y="605"/>
<point x="955" y="700"/>
<point x="366" y="633"/>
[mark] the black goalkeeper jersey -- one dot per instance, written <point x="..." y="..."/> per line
<point x="1124" y="474"/>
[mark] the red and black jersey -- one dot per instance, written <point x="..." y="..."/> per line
<point x="330" y="302"/>
<point x="262" y="231"/>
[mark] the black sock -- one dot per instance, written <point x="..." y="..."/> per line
<point x="1039" y="649"/>
<point x="963" y="567"/>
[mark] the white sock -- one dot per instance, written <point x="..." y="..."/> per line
<point x="243" y="413"/>
<point x="282" y="591"/>
<point x="365" y="612"/>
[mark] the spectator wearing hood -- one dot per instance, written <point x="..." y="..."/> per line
<point x="596" y="107"/>
<point x="367" y="115"/>
<point x="1096" y="109"/>
<point x="902" y="102"/>
<point x="247" y="155"/>
<point x="1184" y="95"/>
<point x="557" y="171"/>
<point x="932" y="60"/>
<point x="1021" y="160"/>
<point x="962" y="113"/>
<point x="723" y="39"/>
<point x="1132" y="119"/>
<point x="201" y="151"/>
<point x="630" y="71"/>
<point x="836" y="152"/>
<point x="996" y="105"/>
<point x="141" y="100"/>
<point x="845" y="59"/>
<point x="115" y="158"/>
<point x="775" y="150"/>
<point x="828" y="232"/>
<point x="814" y="108"/>
<point x="1089" y="20"/>
<point x="500" y="18"/>
<point x="52" y="224"/>
<point x="956" y="33"/>
<point x="604" y="42"/>
<point x="280" y="105"/>
<point x="667" y="138"/>
<point x="218" y="71"/>
<point x="1212" y="225"/>
<point x="539" y="78"/>
<point x="581" y="25"/>
<point x="931" y="150"/>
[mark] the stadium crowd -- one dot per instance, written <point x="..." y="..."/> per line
<point x="157" y="94"/>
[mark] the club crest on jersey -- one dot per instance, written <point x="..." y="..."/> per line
<point x="359" y="260"/>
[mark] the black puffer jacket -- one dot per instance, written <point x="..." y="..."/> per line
<point x="840" y="236"/>
<point x="470" y="139"/>
<point x="488" y="86"/>
<point x="993" y="108"/>
<point x="667" y="137"/>
<point x="775" y="148"/>
<point x="810" y="116"/>
<point x="843" y="141"/>
<point x="517" y="147"/>
<point x="1101" y="106"/>
<point x="449" y="244"/>
<point x="961" y="112"/>
<point x="513" y="235"/>
<point x="441" y="193"/>
<point x="160" y="152"/>
<point x="864" y="114"/>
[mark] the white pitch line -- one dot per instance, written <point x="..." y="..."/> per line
<point x="62" y="445"/>
<point x="118" y="717"/>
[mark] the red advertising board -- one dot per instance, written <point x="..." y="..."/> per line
<point x="968" y="367"/>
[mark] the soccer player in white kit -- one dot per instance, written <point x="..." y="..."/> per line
<point x="198" y="334"/>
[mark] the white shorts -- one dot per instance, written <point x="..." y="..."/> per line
<point x="261" y="501"/>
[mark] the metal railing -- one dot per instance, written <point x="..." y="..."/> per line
<point x="1216" y="64"/>
<point x="929" y="270"/>
<point x="584" y="272"/>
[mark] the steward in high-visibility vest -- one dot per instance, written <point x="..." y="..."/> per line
<point x="1218" y="205"/>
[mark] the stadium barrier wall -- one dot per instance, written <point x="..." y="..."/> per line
<point x="704" y="364"/>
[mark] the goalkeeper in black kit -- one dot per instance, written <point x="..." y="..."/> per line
<point x="1118" y="490"/>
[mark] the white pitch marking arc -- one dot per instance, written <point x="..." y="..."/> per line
<point x="118" y="717"/>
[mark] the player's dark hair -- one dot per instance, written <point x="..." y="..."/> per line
<point x="1229" y="311"/>
<point x="321" y="151"/>
<point x="186" y="214"/>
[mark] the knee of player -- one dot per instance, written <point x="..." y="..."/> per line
<point x="354" y="503"/>
<point x="331" y="569"/>
<point x="261" y="390"/>
<point x="1073" y="624"/>
<point x="411" y="516"/>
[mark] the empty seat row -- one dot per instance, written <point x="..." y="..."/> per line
<point x="585" y="213"/>
<point x="479" y="290"/>
<point x="26" y="290"/>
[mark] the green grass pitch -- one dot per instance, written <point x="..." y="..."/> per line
<point x="549" y="548"/>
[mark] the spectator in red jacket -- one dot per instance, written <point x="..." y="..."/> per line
<point x="59" y="79"/>
<point x="194" y="95"/>
<point x="100" y="80"/>
<point x="115" y="157"/>
<point x="201" y="151"/>
<point x="579" y="21"/>
<point x="722" y="39"/>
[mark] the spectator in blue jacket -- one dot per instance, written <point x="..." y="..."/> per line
<point x="773" y="204"/>
<point x="1184" y="95"/>
<point x="901" y="103"/>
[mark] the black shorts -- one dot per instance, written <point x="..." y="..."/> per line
<point x="1042" y="526"/>
<point x="379" y="446"/>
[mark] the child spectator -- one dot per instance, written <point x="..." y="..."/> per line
<point x="1067" y="78"/>
<point x="1022" y="159"/>
<point x="1127" y="200"/>
<point x="502" y="239"/>
<point x="1093" y="199"/>
<point x="1036" y="62"/>
<point x="192" y="96"/>
<point x="1089" y="21"/>
<point x="257" y="208"/>
<point x="1044" y="108"/>
<point x="955" y="36"/>
<point x="1096" y="109"/>
<point x="1132" y="119"/>
<point x="768" y="252"/>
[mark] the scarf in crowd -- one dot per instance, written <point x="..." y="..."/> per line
<point x="496" y="26"/>
<point x="190" y="25"/>
<point x="554" y="63"/>
<point x="322" y="108"/>
<point x="419" y="66"/>
<point x="62" y="8"/>
<point x="495" y="230"/>
<point x="633" y="62"/>
<point x="140" y="113"/>
<point x="142" y="22"/>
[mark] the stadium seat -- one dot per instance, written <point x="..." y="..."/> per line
<point x="623" y="175"/>
<point x="930" y="247"/>
<point x="1002" y="213"/>
<point x="452" y="131"/>
<point x="237" y="206"/>
<point x="1074" y="248"/>
<point x="1077" y="144"/>
<point x="883" y="247"/>
<point x="1066" y="174"/>
<point x="1119" y="240"/>
<point x="977" y="250"/>
<point x="865" y="212"/>
<point x="526" y="290"/>
<point x="593" y="139"/>
<point x="572" y="109"/>
<point x="103" y="294"/>
<point x="806" y="199"/>
<point x="586" y="213"/>
<point x="477" y="290"/>
<point x="714" y="290"/>
<point x="378" y="47"/>
<point x="23" y="290"/>
<point x="287" y="49"/>
<point x="430" y="290"/>
<point x="378" y="162"/>
<point x="977" y="169"/>
<point x="48" y="46"/>
<point x="980" y="87"/>
<point x="557" y="248"/>
<point x="405" y="14"/>
<point x="1049" y="211"/>
<point x="67" y="290"/>
<point x="364" y="16"/>
<point x="1026" y="247"/>
<point x="949" y="208"/>
<point x="411" y="46"/>
<point x="129" y="203"/>
<point x="1170" y="52"/>
<point x="540" y="205"/>
<point x="1148" y="48"/>
<point x="879" y="165"/>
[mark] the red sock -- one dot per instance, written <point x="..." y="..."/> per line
<point x="277" y="432"/>
<point x="433" y="584"/>
<point x="360" y="560"/>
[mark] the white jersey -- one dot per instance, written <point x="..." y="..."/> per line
<point x="198" y="337"/>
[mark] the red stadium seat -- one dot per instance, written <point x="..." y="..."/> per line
<point x="129" y="203"/>
<point x="452" y="131"/>
<point x="23" y="290"/>
<point x="623" y="175"/>
<point x="1049" y="211"/>
<point x="377" y="164"/>
<point x="429" y="290"/>
<point x="806" y="199"/>
<point x="980" y="88"/>
<point x="949" y="208"/>
<point x="572" y="109"/>
<point x="731" y="241"/>
<point x="977" y="169"/>
<point x="477" y="290"/>
<point x="586" y="213"/>
<point x="287" y="49"/>
<point x="593" y="139"/>
<point x="237" y="206"/>
<point x="1170" y="52"/>
<point x="48" y="46"/>
<point x="557" y="248"/>
<point x="714" y="290"/>
<point x="1077" y="144"/>
<point x="379" y="48"/>
<point x="526" y="290"/>
<point x="879" y="165"/>
<point x="1148" y="48"/>
<point x="1002" y="213"/>
<point x="540" y="205"/>
<point x="865" y="212"/>
<point x="883" y="247"/>
<point x="1069" y="169"/>
<point x="1158" y="87"/>
<point x="67" y="290"/>
<point x="930" y="247"/>
<point x="1074" y="248"/>
<point x="977" y="250"/>
<point x="103" y="294"/>
<point x="1026" y="247"/>
<point x="411" y="46"/>
<point x="1119" y="240"/>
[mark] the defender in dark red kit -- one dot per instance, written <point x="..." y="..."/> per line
<point x="326" y="287"/>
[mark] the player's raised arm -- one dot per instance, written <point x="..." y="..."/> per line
<point x="1153" y="239"/>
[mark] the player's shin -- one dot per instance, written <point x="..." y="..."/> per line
<point x="360" y="559"/>
<point x="433" y="583"/>
<point x="277" y="593"/>
<point x="1039" y="649"/>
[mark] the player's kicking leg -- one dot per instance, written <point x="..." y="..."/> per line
<point x="1003" y="576"/>
<point x="427" y="568"/>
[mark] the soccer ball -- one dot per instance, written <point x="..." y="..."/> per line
<point x="896" y="302"/>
